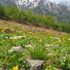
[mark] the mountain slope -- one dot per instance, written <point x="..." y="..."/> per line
<point x="38" y="43"/>
<point x="8" y="25"/>
<point x="61" y="11"/>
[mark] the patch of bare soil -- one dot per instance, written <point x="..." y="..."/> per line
<point x="32" y="28"/>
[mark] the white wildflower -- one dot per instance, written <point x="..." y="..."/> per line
<point x="69" y="39"/>
<point x="47" y="45"/>
<point x="29" y="46"/>
<point x="16" y="37"/>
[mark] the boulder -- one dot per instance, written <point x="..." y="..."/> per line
<point x="36" y="64"/>
<point x="16" y="49"/>
<point x="1" y="69"/>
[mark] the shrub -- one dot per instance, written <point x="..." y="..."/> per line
<point x="2" y="11"/>
<point x="11" y="12"/>
<point x="38" y="53"/>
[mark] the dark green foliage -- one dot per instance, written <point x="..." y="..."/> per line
<point x="2" y="11"/>
<point x="11" y="12"/>
<point x="65" y="63"/>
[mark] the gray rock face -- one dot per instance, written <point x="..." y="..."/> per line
<point x="61" y="12"/>
<point x="16" y="49"/>
<point x="36" y="64"/>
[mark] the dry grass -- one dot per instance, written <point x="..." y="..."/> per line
<point x="15" y="25"/>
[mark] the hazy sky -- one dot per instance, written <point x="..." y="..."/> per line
<point x="58" y="0"/>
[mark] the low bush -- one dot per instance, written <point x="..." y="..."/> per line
<point x="38" y="53"/>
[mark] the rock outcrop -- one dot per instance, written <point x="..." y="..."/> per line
<point x="36" y="64"/>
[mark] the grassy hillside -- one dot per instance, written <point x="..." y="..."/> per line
<point x="45" y="44"/>
<point x="29" y="17"/>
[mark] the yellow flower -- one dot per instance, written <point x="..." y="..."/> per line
<point x="15" y="67"/>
